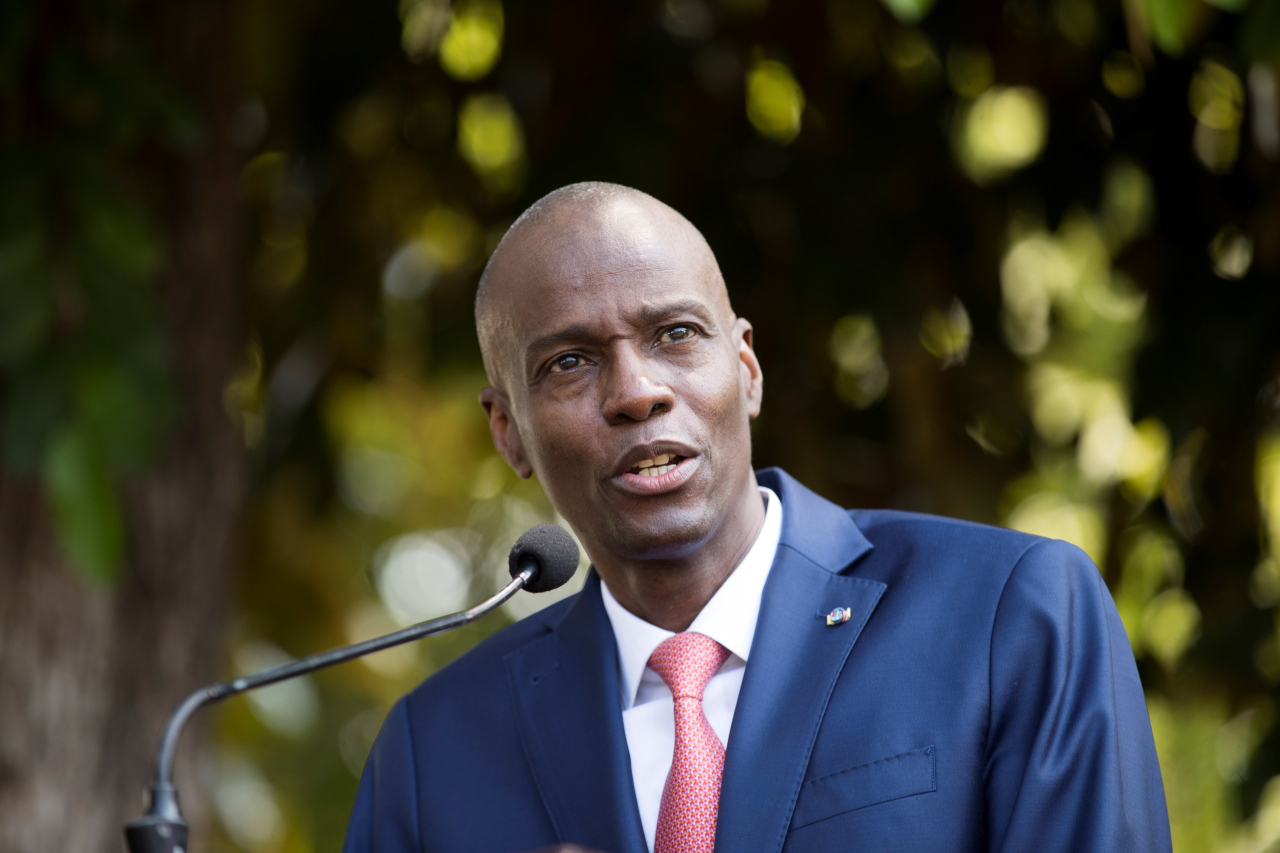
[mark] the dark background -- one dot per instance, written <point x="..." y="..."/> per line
<point x="1009" y="261"/>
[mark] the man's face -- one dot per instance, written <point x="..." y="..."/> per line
<point x="620" y="351"/>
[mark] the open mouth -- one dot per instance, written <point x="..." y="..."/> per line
<point x="657" y="466"/>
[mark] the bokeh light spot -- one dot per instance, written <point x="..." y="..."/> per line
<point x="247" y="805"/>
<point x="263" y="176"/>
<point x="852" y="24"/>
<point x="1122" y="75"/>
<point x="687" y="19"/>
<point x="421" y="576"/>
<point x="946" y="334"/>
<point x="368" y="620"/>
<point x="491" y="140"/>
<point x="1151" y="562"/>
<point x="472" y="44"/>
<point x="372" y="480"/>
<point x="1231" y="251"/>
<point x="1264" y="583"/>
<point x="1034" y="271"/>
<point x="1104" y="436"/>
<point x="908" y="11"/>
<point x="368" y="127"/>
<point x="1216" y="99"/>
<point x="1267" y="486"/>
<point x="1077" y="20"/>
<point x="1128" y="202"/>
<point x="423" y="24"/>
<point x="409" y="273"/>
<point x="1003" y="131"/>
<point x="1216" y="96"/>
<point x="1146" y="460"/>
<point x="913" y="58"/>
<point x="1054" y="516"/>
<point x="1264" y="103"/>
<point x="862" y="378"/>
<point x="290" y="708"/>
<point x="775" y="101"/>
<point x="970" y="69"/>
<point x="451" y="237"/>
<point x="1170" y="624"/>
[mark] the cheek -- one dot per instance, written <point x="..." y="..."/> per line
<point x="715" y="391"/>
<point x="564" y="434"/>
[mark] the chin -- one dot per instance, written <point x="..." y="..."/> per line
<point x="672" y="536"/>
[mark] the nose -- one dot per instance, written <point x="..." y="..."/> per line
<point x="632" y="392"/>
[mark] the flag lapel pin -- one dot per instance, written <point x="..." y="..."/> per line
<point x="839" y="616"/>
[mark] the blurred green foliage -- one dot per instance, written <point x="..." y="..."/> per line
<point x="87" y="391"/>
<point x="1009" y="260"/>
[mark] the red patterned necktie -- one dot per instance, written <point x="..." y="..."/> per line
<point x="691" y="796"/>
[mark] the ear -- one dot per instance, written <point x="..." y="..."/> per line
<point x="749" y="366"/>
<point x="506" y="435"/>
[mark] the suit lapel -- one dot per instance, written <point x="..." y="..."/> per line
<point x="565" y="689"/>
<point x="795" y="660"/>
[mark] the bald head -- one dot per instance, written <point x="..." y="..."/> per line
<point x="576" y="236"/>
<point x="622" y="379"/>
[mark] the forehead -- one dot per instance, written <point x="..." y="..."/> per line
<point x="603" y="268"/>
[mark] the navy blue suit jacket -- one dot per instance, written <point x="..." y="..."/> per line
<point x="982" y="697"/>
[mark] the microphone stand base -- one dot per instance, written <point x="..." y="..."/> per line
<point x="155" y="834"/>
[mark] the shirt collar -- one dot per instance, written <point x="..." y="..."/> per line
<point x="729" y="617"/>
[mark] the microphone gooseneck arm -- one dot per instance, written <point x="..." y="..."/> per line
<point x="164" y="816"/>
<point x="545" y="557"/>
<point x="217" y="692"/>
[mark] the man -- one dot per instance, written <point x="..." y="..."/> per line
<point x="748" y="665"/>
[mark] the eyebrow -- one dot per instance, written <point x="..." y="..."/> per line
<point x="649" y="315"/>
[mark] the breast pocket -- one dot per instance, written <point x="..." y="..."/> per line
<point x="868" y="784"/>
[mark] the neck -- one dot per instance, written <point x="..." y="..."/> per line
<point x="671" y="593"/>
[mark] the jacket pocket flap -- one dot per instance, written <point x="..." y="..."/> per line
<point x="866" y="785"/>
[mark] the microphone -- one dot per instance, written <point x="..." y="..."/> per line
<point x="542" y="559"/>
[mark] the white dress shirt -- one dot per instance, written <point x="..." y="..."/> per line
<point x="648" y="712"/>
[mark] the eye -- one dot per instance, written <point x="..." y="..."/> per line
<point x="565" y="363"/>
<point x="678" y="333"/>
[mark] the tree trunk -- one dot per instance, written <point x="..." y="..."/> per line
<point x="88" y="676"/>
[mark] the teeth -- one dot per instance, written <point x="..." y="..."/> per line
<point x="657" y="466"/>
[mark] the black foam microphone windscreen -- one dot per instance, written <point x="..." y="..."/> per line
<point x="554" y="551"/>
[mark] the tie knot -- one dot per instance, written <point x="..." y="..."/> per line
<point x="686" y="663"/>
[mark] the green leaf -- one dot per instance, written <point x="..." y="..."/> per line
<point x="86" y="511"/>
<point x="119" y="417"/>
<point x="124" y="377"/>
<point x="908" y="11"/>
<point x="115" y="232"/>
<point x="37" y="401"/>
<point x="1169" y="22"/>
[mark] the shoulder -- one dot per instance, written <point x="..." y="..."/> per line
<point x="899" y="529"/>
<point x="962" y="559"/>
<point x="919" y="533"/>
